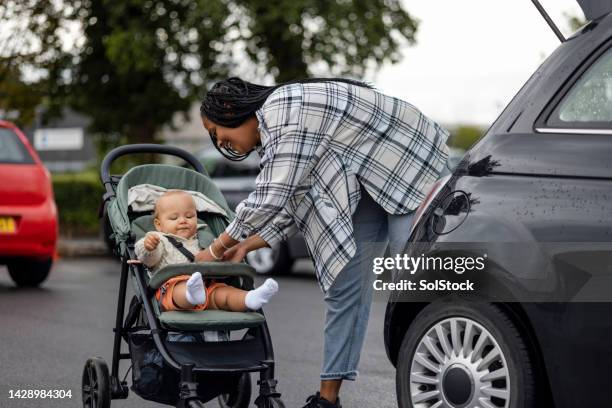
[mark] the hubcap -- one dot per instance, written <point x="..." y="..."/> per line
<point x="457" y="385"/>
<point x="459" y="364"/>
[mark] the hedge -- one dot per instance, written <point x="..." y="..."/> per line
<point x="78" y="197"/>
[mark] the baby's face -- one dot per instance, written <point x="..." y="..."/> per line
<point x="176" y="214"/>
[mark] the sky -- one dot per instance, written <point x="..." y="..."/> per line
<point x="472" y="56"/>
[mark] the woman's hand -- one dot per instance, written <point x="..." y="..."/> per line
<point x="236" y="253"/>
<point x="204" y="256"/>
<point x="216" y="250"/>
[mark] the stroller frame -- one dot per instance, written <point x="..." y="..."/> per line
<point x="188" y="397"/>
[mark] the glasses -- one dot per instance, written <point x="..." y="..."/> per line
<point x="226" y="149"/>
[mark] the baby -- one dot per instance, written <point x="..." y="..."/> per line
<point x="176" y="220"/>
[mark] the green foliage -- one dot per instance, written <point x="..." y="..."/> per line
<point x="346" y="36"/>
<point x="574" y="22"/>
<point x="78" y="196"/>
<point x="17" y="99"/>
<point x="138" y="62"/>
<point x="463" y="137"/>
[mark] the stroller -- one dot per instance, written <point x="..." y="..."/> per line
<point x="179" y="358"/>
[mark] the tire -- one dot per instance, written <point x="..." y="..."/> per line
<point x="271" y="261"/>
<point x="494" y="365"/>
<point x="95" y="385"/>
<point x="239" y="399"/>
<point x="29" y="272"/>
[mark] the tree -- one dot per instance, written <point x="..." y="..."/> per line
<point x="131" y="65"/>
<point x="464" y="136"/>
<point x="346" y="36"/>
<point x="574" y="22"/>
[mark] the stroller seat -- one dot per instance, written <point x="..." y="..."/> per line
<point x="238" y="275"/>
<point x="210" y="320"/>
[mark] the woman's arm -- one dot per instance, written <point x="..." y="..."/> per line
<point x="238" y="252"/>
<point x="215" y="251"/>
<point x="292" y="145"/>
<point x="280" y="229"/>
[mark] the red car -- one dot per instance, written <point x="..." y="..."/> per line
<point x="28" y="215"/>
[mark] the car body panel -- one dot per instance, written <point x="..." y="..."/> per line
<point x="593" y="9"/>
<point x="27" y="198"/>
<point x="552" y="155"/>
<point x="528" y="186"/>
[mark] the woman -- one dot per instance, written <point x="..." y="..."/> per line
<point x="344" y="164"/>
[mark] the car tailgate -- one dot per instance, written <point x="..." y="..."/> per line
<point x="23" y="184"/>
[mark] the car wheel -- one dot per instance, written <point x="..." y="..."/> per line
<point x="271" y="261"/>
<point x="29" y="272"/>
<point x="464" y="354"/>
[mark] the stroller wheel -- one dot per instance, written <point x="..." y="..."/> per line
<point x="96" y="384"/>
<point x="272" y="402"/>
<point x="241" y="397"/>
<point x="276" y="403"/>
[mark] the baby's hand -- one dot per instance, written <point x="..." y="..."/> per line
<point x="151" y="241"/>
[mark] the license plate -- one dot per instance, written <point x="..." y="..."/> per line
<point x="7" y="225"/>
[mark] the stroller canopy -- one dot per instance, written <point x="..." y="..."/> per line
<point x="169" y="177"/>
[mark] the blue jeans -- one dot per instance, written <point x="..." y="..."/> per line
<point x="350" y="296"/>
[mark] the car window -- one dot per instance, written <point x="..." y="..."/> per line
<point x="589" y="102"/>
<point x="218" y="166"/>
<point x="12" y="149"/>
<point x="231" y="169"/>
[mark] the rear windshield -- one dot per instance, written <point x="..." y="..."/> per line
<point x="12" y="149"/>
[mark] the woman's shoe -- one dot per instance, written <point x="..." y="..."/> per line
<point x="317" y="401"/>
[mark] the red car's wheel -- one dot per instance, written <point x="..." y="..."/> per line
<point x="29" y="272"/>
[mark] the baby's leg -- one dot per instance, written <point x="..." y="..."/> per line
<point x="189" y="293"/>
<point x="227" y="298"/>
<point x="238" y="300"/>
<point x="178" y="296"/>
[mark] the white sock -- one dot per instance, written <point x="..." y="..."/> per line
<point x="195" y="293"/>
<point x="258" y="297"/>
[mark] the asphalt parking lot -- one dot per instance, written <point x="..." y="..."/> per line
<point x="48" y="333"/>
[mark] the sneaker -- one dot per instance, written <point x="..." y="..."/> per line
<point x="317" y="401"/>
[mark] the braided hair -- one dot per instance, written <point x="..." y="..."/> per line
<point x="232" y="101"/>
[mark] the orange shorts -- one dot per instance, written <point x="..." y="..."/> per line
<point x="164" y="293"/>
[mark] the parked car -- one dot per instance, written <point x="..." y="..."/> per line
<point x="28" y="215"/>
<point x="541" y="174"/>
<point x="236" y="180"/>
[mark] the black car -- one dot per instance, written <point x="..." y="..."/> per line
<point x="540" y="176"/>
<point x="236" y="180"/>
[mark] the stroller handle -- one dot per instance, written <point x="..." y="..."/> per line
<point x="146" y="148"/>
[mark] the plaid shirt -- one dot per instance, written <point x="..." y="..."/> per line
<point x="319" y="142"/>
